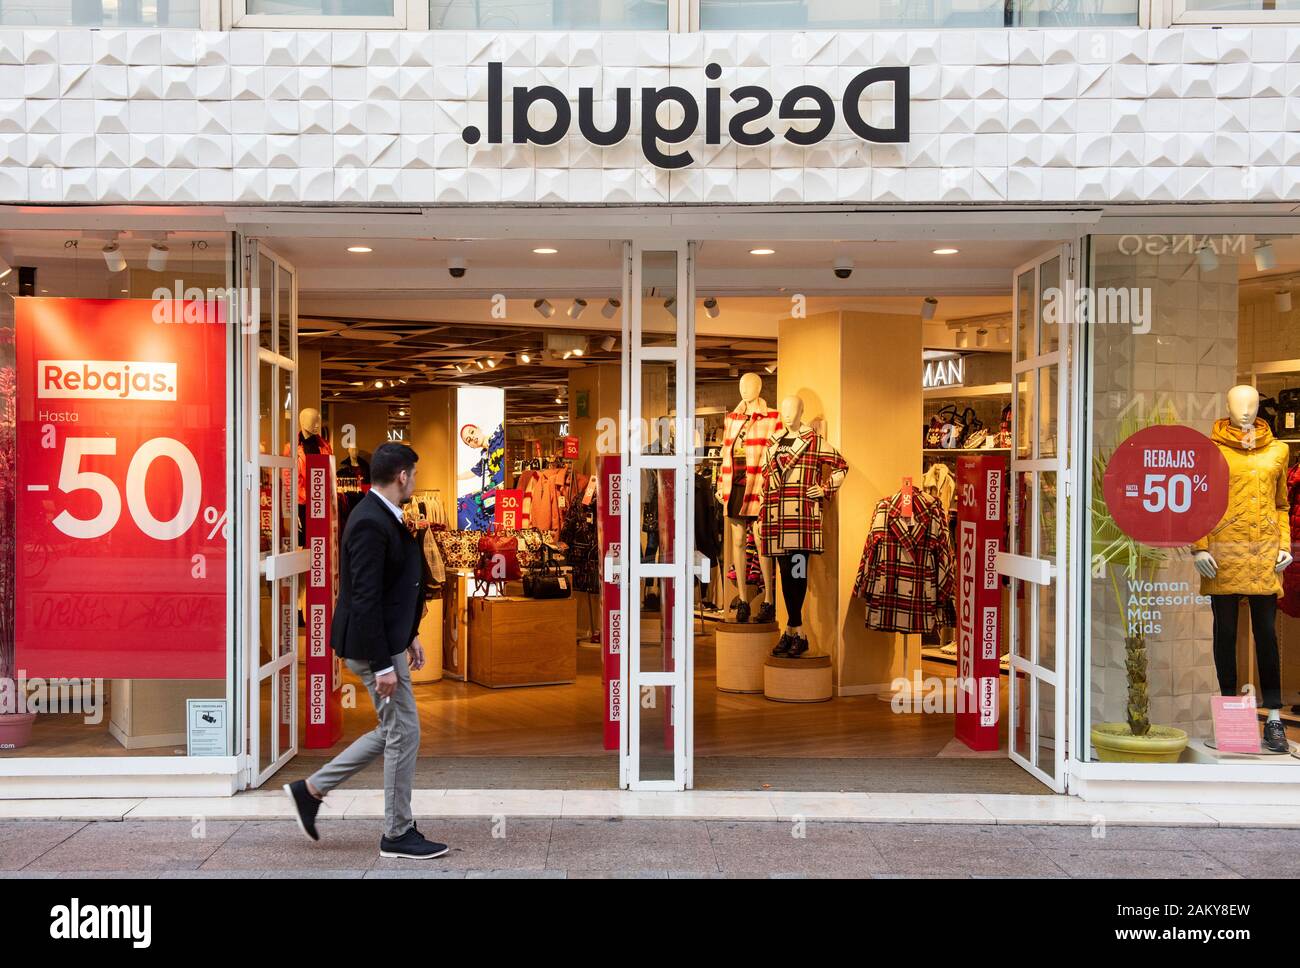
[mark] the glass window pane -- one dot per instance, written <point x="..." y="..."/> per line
<point x="100" y="13"/>
<point x="659" y="307"/>
<point x="658" y="504"/>
<point x="885" y="14"/>
<point x="548" y="14"/>
<point x="1047" y="411"/>
<point x="1025" y="316"/>
<point x="1045" y="705"/>
<point x="656" y="747"/>
<point x="1025" y="415"/>
<point x="658" y="408"/>
<point x="1049" y="279"/>
<point x="266" y="304"/>
<point x="322" y="8"/>
<point x="1018" y="700"/>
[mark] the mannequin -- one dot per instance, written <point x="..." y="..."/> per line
<point x="745" y="437"/>
<point x="800" y="471"/>
<point x="1244" y="556"/>
<point x="310" y="441"/>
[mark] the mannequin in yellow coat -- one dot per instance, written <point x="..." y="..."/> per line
<point x="1246" y="553"/>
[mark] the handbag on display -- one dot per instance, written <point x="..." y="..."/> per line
<point x="977" y="439"/>
<point x="1002" y="438"/>
<point x="549" y="581"/>
<point x="459" y="548"/>
<point x="952" y="430"/>
<point x="938" y="424"/>
<point x="498" y="561"/>
<point x="972" y="426"/>
<point x="1288" y="413"/>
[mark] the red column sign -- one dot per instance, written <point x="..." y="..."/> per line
<point x="1166" y="486"/>
<point x="324" y="709"/>
<point x="122" y="508"/>
<point x="609" y="521"/>
<point x="981" y="521"/>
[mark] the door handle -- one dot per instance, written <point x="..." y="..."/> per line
<point x="703" y="568"/>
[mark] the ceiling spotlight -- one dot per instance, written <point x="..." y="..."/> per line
<point x="113" y="257"/>
<point x="492" y="362"/>
<point x="1282" y="300"/>
<point x="946" y="251"/>
<point x="962" y="339"/>
<point x="762" y="251"/>
<point x="928" y="307"/>
<point x="981" y="337"/>
<point x="1004" y="334"/>
<point x="459" y="368"/>
<point x="610" y="308"/>
<point x="770" y="368"/>
<point x="544" y="308"/>
<point x="579" y="306"/>
<point x="579" y="350"/>
<point x="523" y="357"/>
<point x="1265" y="257"/>
<point x="670" y="304"/>
<point x="360" y="249"/>
<point x="1206" y="257"/>
<point x="379" y="384"/>
<point x="608" y="344"/>
<point x="456" y="267"/>
<point x="545" y="251"/>
<point x="711" y="308"/>
<point x="558" y="399"/>
<point x="479" y="364"/>
<point x="158" y="257"/>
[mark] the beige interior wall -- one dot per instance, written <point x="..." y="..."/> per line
<point x="845" y="367"/>
<point x="369" y="419"/>
<point x="603" y="386"/>
<point x="431" y="438"/>
<point x="309" y="380"/>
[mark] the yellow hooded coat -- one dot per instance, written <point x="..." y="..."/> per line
<point x="1256" y="526"/>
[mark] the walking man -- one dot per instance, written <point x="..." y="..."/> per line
<point x="381" y="596"/>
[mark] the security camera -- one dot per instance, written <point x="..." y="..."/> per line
<point x="456" y="267"/>
<point x="843" y="267"/>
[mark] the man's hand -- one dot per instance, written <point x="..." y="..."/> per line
<point x="386" y="685"/>
<point x="415" y="654"/>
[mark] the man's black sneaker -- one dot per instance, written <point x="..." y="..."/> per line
<point x="305" y="807"/>
<point x="742" y="613"/>
<point x="783" y="647"/>
<point x="412" y="845"/>
<point x="766" y="613"/>
<point x="798" y="646"/>
<point x="1275" y="736"/>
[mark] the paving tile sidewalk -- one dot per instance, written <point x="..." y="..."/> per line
<point x="584" y="848"/>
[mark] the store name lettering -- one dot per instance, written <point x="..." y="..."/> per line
<point x="950" y="371"/>
<point x="804" y="103"/>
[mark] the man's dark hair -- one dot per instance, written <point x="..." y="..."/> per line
<point x="389" y="460"/>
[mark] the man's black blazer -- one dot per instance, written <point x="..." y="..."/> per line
<point x="381" y="586"/>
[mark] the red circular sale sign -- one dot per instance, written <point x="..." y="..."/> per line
<point x="1166" y="486"/>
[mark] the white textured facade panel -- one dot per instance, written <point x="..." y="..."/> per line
<point x="377" y="117"/>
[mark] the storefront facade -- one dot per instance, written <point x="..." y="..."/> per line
<point x="1126" y="149"/>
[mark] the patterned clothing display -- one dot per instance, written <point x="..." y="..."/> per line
<point x="756" y="428"/>
<point x="579" y="535"/>
<point x="753" y="569"/>
<point x="907" y="572"/>
<point x="790" y="520"/>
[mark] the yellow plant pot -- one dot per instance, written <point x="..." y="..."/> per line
<point x="1116" y="744"/>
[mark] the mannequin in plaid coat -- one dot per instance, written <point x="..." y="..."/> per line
<point x="907" y="572"/>
<point x="800" y="471"/>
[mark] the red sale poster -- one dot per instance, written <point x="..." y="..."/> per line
<point x="609" y="520"/>
<point x="324" y="706"/>
<point x="122" y="515"/>
<point x="981" y="521"/>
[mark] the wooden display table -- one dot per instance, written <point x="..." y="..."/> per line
<point x="806" y="679"/>
<point x="522" y="641"/>
<point x="742" y="649"/>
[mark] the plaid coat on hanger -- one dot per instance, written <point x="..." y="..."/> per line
<point x="762" y="424"/>
<point x="907" y="572"/>
<point x="788" y="519"/>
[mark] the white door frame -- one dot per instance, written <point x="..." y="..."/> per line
<point x="1043" y="564"/>
<point x="285" y="561"/>
<point x="677" y="574"/>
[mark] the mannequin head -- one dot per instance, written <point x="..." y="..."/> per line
<point x="1243" y="406"/>
<point x="792" y="412"/>
<point x="751" y="385"/>
<point x="352" y="454"/>
<point x="309" y="420"/>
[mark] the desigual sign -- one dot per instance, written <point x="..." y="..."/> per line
<point x="805" y="102"/>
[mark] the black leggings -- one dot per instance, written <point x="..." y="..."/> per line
<point x="1263" y="624"/>
<point x="794" y="589"/>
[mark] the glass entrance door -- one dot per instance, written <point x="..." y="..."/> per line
<point x="1037" y="564"/>
<point x="269" y="628"/>
<point x="657" y="459"/>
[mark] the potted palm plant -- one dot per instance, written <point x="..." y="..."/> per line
<point x="15" y="722"/>
<point x="1122" y="560"/>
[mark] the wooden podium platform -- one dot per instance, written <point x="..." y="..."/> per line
<point x="806" y="679"/>
<point x="742" y="648"/>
